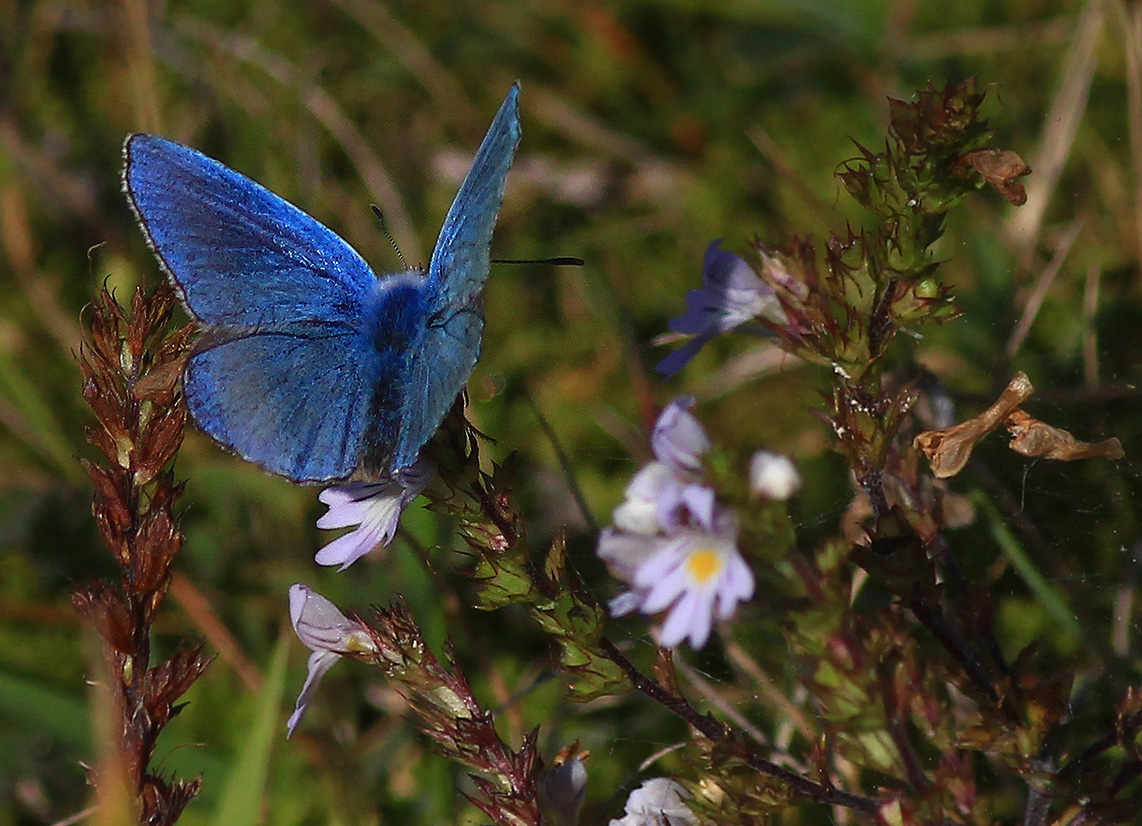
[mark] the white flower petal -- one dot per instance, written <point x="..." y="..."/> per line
<point x="625" y="553"/>
<point x="691" y="617"/>
<point x="375" y="507"/>
<point x="625" y="603"/>
<point x="659" y="801"/>
<point x="319" y="663"/>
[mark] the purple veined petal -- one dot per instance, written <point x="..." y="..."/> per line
<point x="728" y="272"/>
<point x="700" y="502"/>
<point x="736" y="586"/>
<point x="639" y="511"/>
<point x="731" y="294"/>
<point x="669" y="555"/>
<point x="348" y="503"/>
<point x="625" y="603"/>
<point x="319" y="623"/>
<point x="625" y="553"/>
<point x="328" y="633"/>
<point x="319" y="663"/>
<point x="345" y="550"/>
<point x="666" y="591"/>
<point x="374" y="507"/>
<point x="678" y="438"/>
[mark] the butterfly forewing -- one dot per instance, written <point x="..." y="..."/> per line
<point x="457" y="272"/>
<point x="240" y="255"/>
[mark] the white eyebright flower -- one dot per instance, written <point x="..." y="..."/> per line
<point x="657" y="802"/>
<point x="374" y="507"/>
<point x="328" y="633"/>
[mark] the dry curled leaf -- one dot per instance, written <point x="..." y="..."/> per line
<point x="1000" y="168"/>
<point x="1032" y="437"/>
<point x="948" y="449"/>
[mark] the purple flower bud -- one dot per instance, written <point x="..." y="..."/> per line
<point x="678" y="439"/>
<point x="328" y="633"/>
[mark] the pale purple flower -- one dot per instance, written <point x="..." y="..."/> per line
<point x="695" y="575"/>
<point x="671" y="543"/>
<point x="374" y="507"/>
<point x="678" y="438"/>
<point x="659" y="801"/>
<point x="773" y="475"/>
<point x="328" y="633"/>
<point x="731" y="294"/>
<point x="659" y="495"/>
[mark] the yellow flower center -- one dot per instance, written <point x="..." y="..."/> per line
<point x="704" y="564"/>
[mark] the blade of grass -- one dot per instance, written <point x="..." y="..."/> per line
<point x="35" y="423"/>
<point x="1052" y="603"/>
<point x="40" y="709"/>
<point x="242" y="799"/>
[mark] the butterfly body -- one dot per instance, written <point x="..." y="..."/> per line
<point x="309" y="364"/>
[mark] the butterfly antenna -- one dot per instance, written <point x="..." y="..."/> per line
<point x="558" y="261"/>
<point x="562" y="458"/>
<point x="381" y="220"/>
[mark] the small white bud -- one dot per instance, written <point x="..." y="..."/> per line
<point x="773" y="475"/>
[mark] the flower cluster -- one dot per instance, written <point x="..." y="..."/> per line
<point x="671" y="542"/>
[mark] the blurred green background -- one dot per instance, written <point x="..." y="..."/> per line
<point x="650" y="128"/>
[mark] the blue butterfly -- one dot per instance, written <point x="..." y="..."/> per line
<point x="309" y="365"/>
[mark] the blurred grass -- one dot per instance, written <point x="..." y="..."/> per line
<point x="650" y="128"/>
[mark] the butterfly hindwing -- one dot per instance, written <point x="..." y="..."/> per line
<point x="450" y="345"/>
<point x="295" y="400"/>
<point x="284" y="371"/>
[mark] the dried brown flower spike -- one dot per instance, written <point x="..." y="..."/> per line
<point x="130" y="361"/>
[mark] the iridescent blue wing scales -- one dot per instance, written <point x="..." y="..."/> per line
<point x="450" y="344"/>
<point x="240" y="255"/>
<point x="295" y="399"/>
